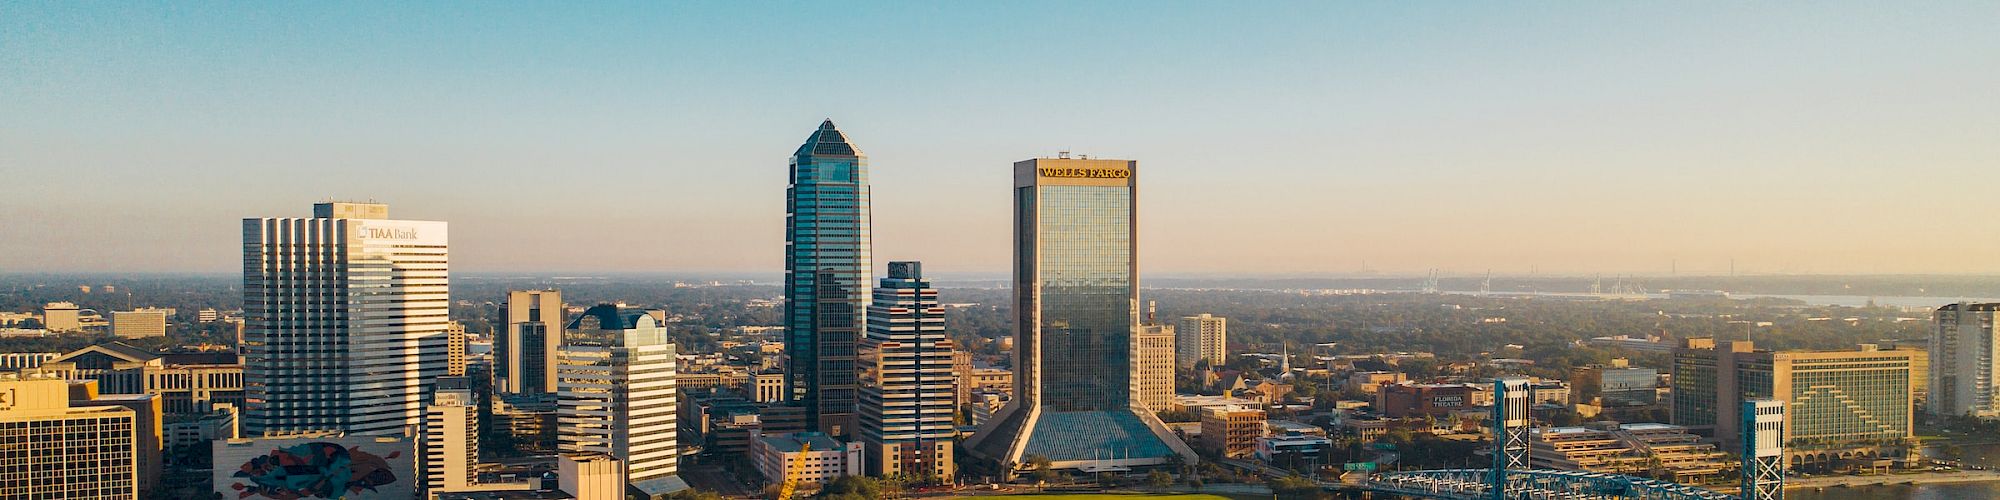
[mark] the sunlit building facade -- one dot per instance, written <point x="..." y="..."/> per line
<point x="907" y="400"/>
<point x="1844" y="408"/>
<point x="1963" y="349"/>
<point x="616" y="395"/>
<point x="524" y="351"/>
<point x="1203" y="337"/>
<point x="346" y="314"/>
<point x="1076" y="296"/>
<point x="828" y="268"/>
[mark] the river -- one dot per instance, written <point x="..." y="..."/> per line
<point x="1988" y="455"/>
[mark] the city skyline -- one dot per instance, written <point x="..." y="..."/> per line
<point x="1288" y="138"/>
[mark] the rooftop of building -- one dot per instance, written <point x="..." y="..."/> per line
<point x="609" y="317"/>
<point x="1971" y="306"/>
<point x="827" y="141"/>
<point x="1295" y="438"/>
<point x="792" y="443"/>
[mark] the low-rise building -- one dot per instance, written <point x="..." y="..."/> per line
<point x="1289" y="450"/>
<point x="1231" y="431"/>
<point x="824" y="458"/>
<point x="139" y="323"/>
<point x="187" y="384"/>
<point x="1408" y="400"/>
<point x="1660" y="451"/>
<point x="1368" y="382"/>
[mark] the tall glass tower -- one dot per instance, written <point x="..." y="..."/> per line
<point x="827" y="271"/>
<point x="1076" y="294"/>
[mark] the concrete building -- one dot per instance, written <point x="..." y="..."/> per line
<point x="1076" y="296"/>
<point x="530" y="419"/>
<point x="450" y="441"/>
<point x="1962" y="378"/>
<point x="1153" y="367"/>
<point x="1371" y="382"/>
<point x="380" y="467"/>
<point x="825" y="459"/>
<point x="1845" y="409"/>
<point x="616" y="395"/>
<point x="65" y="450"/>
<point x="346" y="312"/>
<point x="765" y="387"/>
<point x="1288" y="450"/>
<point x="454" y="351"/>
<point x="139" y="323"/>
<point x="1231" y="431"/>
<point x="148" y="432"/>
<point x="524" y="352"/>
<point x="15" y="361"/>
<point x="187" y="384"/>
<point x="591" y="476"/>
<point x="1417" y="400"/>
<point x="907" y="402"/>
<point x="1661" y="451"/>
<point x="1616" y="384"/>
<point x="62" y="317"/>
<point x="1203" y="337"/>
<point x="198" y="430"/>
<point x="828" y="268"/>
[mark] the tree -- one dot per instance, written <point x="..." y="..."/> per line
<point x="853" y="487"/>
<point x="1297" y="487"/>
<point x="691" y="494"/>
<point x="1159" y="479"/>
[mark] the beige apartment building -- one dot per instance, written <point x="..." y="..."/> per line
<point x="1203" y="337"/>
<point x="139" y="323"/>
<point x="1153" y="367"/>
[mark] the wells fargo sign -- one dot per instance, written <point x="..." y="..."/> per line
<point x="1086" y="173"/>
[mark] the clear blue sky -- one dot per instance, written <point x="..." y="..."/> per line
<point x="1316" y="137"/>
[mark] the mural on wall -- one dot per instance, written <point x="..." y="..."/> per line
<point x="318" y="469"/>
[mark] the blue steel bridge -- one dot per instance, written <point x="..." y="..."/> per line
<point x="1763" y="477"/>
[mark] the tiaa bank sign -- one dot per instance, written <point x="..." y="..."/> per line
<point x="401" y="232"/>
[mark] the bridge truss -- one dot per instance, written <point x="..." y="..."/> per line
<point x="1537" y="484"/>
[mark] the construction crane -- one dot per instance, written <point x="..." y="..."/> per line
<point x="793" y="470"/>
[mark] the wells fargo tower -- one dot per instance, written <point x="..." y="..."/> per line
<point x="1076" y="297"/>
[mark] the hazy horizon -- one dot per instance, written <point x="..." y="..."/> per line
<point x="1294" y="139"/>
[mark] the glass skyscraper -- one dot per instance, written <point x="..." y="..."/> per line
<point x="1076" y="290"/>
<point x="827" y="272"/>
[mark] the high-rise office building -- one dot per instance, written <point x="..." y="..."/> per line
<point x="347" y="312"/>
<point x="1842" y="406"/>
<point x="450" y="440"/>
<point x="62" y="450"/>
<point x="1203" y="337"/>
<point x="139" y="323"/>
<point x="1963" y="349"/>
<point x="615" y="395"/>
<point x="1076" y="297"/>
<point x="1153" y="367"/>
<point x="827" y="273"/>
<point x="524" y="352"/>
<point x="907" y="399"/>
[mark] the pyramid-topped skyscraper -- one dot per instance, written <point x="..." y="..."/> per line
<point x="828" y="266"/>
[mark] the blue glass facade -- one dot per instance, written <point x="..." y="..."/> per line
<point x="1077" y="300"/>
<point x="827" y="273"/>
